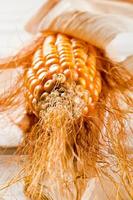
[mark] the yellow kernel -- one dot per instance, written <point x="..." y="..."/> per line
<point x="49" y="46"/>
<point x="40" y="71"/>
<point x="79" y="61"/>
<point x="28" y="80"/>
<point x="72" y="74"/>
<point x="61" y="37"/>
<point x="81" y="71"/>
<point x="97" y="82"/>
<point x="92" y="71"/>
<point x="63" y="44"/>
<point x="65" y="49"/>
<point x="51" y="62"/>
<point x="49" y="56"/>
<point x="95" y="95"/>
<point x="90" y="79"/>
<point x="75" y="75"/>
<point x="54" y="69"/>
<point x="65" y="65"/>
<point x="36" y="60"/>
<point x="43" y="76"/>
<point x="33" y="84"/>
<point x="34" y="102"/>
<point x="89" y="100"/>
<point x="90" y="87"/>
<point x="30" y="96"/>
<point x="44" y="95"/>
<point x="80" y="65"/>
<point x="65" y="59"/>
<point x="38" y="65"/>
<point x="79" y="53"/>
<point x="30" y="73"/>
<point x="38" y="52"/>
<point x="82" y="82"/>
<point x="48" y="86"/>
<point x="78" y="45"/>
<point x="96" y="92"/>
<point x="37" y="91"/>
<point x="30" y="101"/>
<point x="64" y="52"/>
<point x="50" y="40"/>
<point x="66" y="56"/>
<point x="67" y="73"/>
<point x="49" y="50"/>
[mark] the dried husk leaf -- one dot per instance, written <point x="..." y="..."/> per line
<point x="105" y="24"/>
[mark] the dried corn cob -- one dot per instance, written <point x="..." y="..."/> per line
<point x="62" y="59"/>
<point x="58" y="142"/>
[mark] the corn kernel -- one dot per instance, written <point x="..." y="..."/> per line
<point x="48" y="86"/>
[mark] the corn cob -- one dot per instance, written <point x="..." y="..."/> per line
<point x="61" y="59"/>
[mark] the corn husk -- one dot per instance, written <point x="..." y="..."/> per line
<point x="105" y="24"/>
